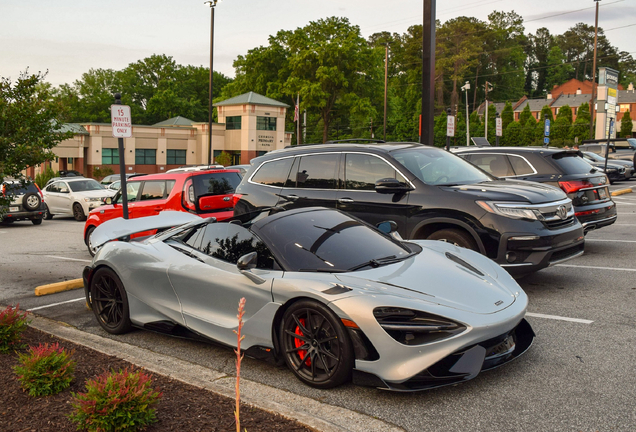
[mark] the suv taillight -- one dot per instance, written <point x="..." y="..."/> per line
<point x="187" y="197"/>
<point x="574" y="185"/>
<point x="39" y="190"/>
<point x="235" y="199"/>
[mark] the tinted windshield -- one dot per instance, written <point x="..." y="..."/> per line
<point x="18" y="188"/>
<point x="571" y="163"/>
<point x="594" y="157"/>
<point x="438" y="167"/>
<point x="325" y="240"/>
<point x="84" y="185"/>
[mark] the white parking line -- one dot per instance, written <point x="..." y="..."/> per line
<point x="610" y="241"/>
<point x="623" y="224"/>
<point x="596" y="267"/>
<point x="56" y="304"/>
<point x="69" y="259"/>
<point x="623" y="202"/>
<point x="555" y="317"/>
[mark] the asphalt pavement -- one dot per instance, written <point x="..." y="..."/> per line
<point x="578" y="375"/>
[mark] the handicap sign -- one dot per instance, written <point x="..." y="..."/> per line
<point x="546" y="130"/>
<point x="546" y="140"/>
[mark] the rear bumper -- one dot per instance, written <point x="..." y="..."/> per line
<point x="25" y="215"/>
<point x="597" y="215"/>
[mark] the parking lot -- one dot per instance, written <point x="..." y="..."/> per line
<point x="578" y="376"/>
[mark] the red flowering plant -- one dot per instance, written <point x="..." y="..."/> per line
<point x="116" y="401"/>
<point x="45" y="370"/>
<point x="13" y="322"/>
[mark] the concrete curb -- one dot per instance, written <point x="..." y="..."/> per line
<point x="309" y="412"/>
<point x="622" y="191"/>
<point x="59" y="287"/>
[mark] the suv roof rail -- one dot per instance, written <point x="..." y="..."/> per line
<point x="357" y="140"/>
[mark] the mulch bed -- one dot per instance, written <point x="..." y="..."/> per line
<point x="182" y="408"/>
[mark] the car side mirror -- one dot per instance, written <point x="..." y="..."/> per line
<point x="107" y="200"/>
<point x="391" y="186"/>
<point x="248" y="261"/>
<point x="389" y="228"/>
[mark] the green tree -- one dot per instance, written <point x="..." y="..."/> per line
<point x="224" y="159"/>
<point x="581" y="126"/>
<point x="561" y="129"/>
<point x="566" y="112"/>
<point x="507" y="115"/>
<point x="514" y="134"/>
<point x="525" y="114"/>
<point x="626" y="125"/>
<point x="557" y="71"/>
<point x="529" y="131"/>
<point x="440" y="129"/>
<point x="29" y="126"/>
<point x="538" y="49"/>
<point x="546" y="111"/>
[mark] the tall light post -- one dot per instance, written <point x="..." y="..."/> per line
<point x="428" y="73"/>
<point x="465" y="88"/>
<point x="212" y="4"/>
<point x="386" y="82"/>
<point x="592" y="135"/>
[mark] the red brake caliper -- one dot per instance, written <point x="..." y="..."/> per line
<point x="298" y="343"/>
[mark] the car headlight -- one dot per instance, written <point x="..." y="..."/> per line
<point x="511" y="210"/>
<point x="92" y="199"/>
<point x="411" y="327"/>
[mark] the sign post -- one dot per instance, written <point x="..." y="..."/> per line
<point x="498" y="128"/>
<point x="121" y="123"/>
<point x="546" y="132"/>
<point x="609" y="136"/>
<point x="450" y="128"/>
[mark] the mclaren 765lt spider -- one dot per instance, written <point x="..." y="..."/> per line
<point x="333" y="297"/>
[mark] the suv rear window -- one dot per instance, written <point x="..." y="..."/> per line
<point x="273" y="173"/>
<point x="571" y="163"/>
<point x="18" y="188"/>
<point x="216" y="183"/>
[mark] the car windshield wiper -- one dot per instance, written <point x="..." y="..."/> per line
<point x="377" y="262"/>
<point x="323" y="270"/>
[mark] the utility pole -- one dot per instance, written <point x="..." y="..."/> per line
<point x="466" y="87"/>
<point x="212" y="4"/>
<point x="428" y="72"/>
<point x="592" y="135"/>
<point x="386" y="82"/>
<point x="486" y="122"/>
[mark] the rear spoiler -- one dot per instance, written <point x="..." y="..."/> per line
<point x="120" y="228"/>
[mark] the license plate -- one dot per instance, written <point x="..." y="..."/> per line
<point x="14" y="209"/>
<point x="602" y="193"/>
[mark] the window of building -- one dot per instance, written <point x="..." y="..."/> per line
<point x="145" y="157"/>
<point x="233" y="123"/>
<point x="576" y="110"/>
<point x="266" y="123"/>
<point x="176" y="157"/>
<point x="110" y="156"/>
<point x="623" y="108"/>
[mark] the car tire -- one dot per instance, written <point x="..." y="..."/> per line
<point x="36" y="221"/>
<point x="31" y="201"/>
<point x="328" y="359"/>
<point x="47" y="214"/>
<point x="455" y="236"/>
<point x="87" y="240"/>
<point x="78" y="212"/>
<point x="110" y="302"/>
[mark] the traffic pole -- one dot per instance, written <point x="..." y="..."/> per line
<point x="122" y="167"/>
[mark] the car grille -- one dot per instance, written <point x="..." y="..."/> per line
<point x="559" y="223"/>
<point x="553" y="220"/>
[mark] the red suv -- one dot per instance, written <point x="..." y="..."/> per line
<point x="204" y="193"/>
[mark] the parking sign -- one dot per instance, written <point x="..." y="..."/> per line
<point x="450" y="126"/>
<point x="498" y="127"/>
<point x="546" y="130"/>
<point x="121" y="121"/>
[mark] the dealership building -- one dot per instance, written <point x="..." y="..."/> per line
<point x="248" y="125"/>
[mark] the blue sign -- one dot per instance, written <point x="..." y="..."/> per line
<point x="546" y="129"/>
<point x="546" y="140"/>
<point x="611" y="128"/>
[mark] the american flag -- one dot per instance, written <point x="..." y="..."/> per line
<point x="297" y="108"/>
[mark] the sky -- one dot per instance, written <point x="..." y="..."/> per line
<point x="69" y="37"/>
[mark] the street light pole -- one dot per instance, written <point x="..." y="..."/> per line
<point x="594" y="74"/>
<point x="386" y="82"/>
<point x="466" y="87"/>
<point x="212" y="4"/>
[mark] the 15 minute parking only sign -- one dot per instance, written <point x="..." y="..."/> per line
<point x="121" y="121"/>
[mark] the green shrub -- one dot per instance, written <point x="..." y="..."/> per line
<point x="45" y="176"/>
<point x="100" y="173"/>
<point x="45" y="370"/>
<point x="13" y="322"/>
<point x="224" y="159"/>
<point x="116" y="401"/>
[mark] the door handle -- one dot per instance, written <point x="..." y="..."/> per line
<point x="345" y="200"/>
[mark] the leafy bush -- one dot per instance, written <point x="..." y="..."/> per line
<point x="13" y="322"/>
<point x="116" y="401"/>
<point x="100" y="173"/>
<point x="43" y="177"/>
<point x="224" y="159"/>
<point x="45" y="370"/>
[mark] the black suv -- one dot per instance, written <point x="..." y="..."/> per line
<point x="428" y="192"/>
<point x="584" y="184"/>
<point x="26" y="202"/>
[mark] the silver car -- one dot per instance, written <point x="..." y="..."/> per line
<point x="332" y="296"/>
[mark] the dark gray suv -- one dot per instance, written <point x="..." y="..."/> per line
<point x="26" y="202"/>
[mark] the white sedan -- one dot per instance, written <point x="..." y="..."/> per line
<point x="74" y="197"/>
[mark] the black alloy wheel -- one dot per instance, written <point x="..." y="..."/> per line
<point x="47" y="214"/>
<point x="110" y="303"/>
<point x="315" y="345"/>
<point x="87" y="240"/>
<point x="456" y="237"/>
<point x="78" y="212"/>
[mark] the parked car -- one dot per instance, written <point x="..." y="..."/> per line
<point x="74" y="197"/>
<point x="109" y="179"/>
<point x="242" y="168"/>
<point x="331" y="296"/>
<point x="620" y="167"/>
<point x="64" y="174"/>
<point x="428" y="192"/>
<point x="585" y="185"/>
<point x="619" y="148"/>
<point x="195" y="168"/>
<point x="27" y="202"/>
<point x="204" y="193"/>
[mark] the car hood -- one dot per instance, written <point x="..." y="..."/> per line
<point x="443" y="274"/>
<point x="511" y="190"/>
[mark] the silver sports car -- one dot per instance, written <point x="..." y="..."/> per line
<point x="333" y="297"/>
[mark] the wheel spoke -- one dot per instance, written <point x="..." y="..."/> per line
<point x="330" y="354"/>
<point x="297" y="336"/>
<point x="322" y="321"/>
<point x="301" y="326"/>
<point x="302" y="362"/>
<point x="324" y="364"/>
<point x="313" y="367"/>
<point x="302" y="347"/>
<point x="329" y="339"/>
